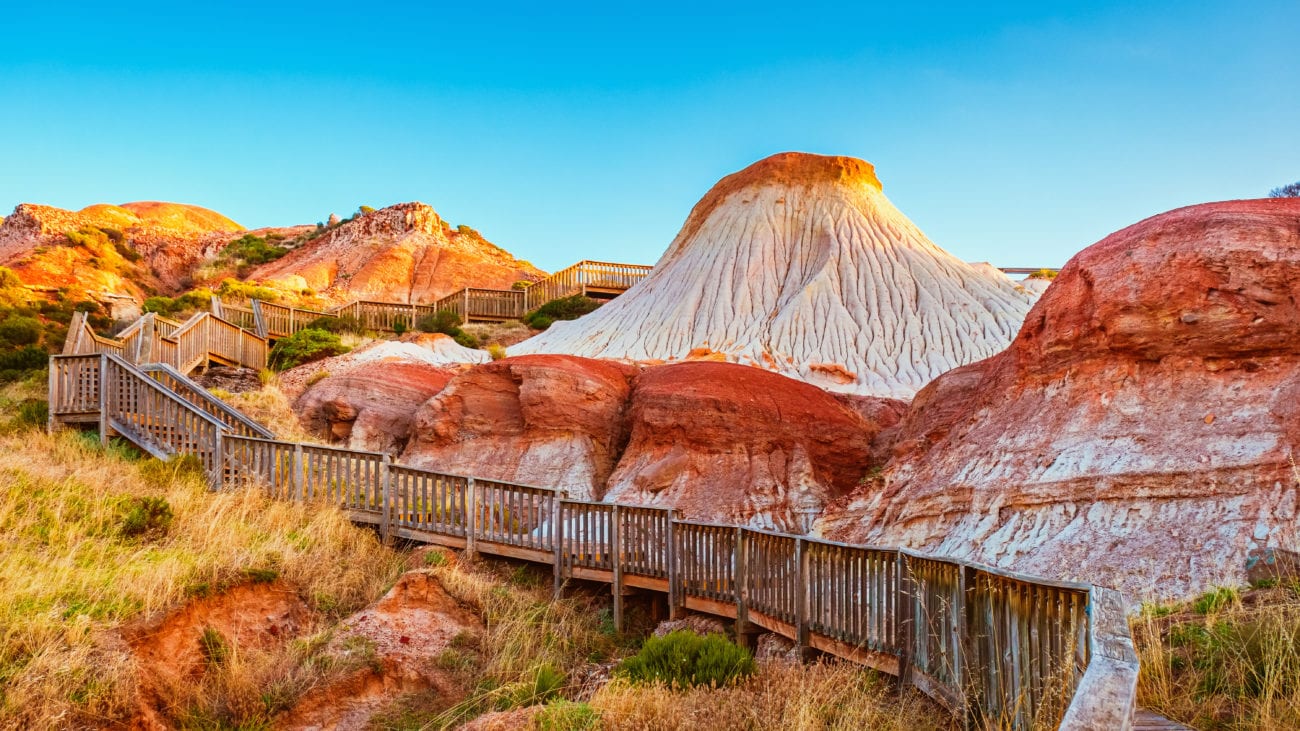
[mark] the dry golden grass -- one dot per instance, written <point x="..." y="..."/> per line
<point x="829" y="695"/>
<point x="70" y="578"/>
<point x="270" y="407"/>
<point x="1226" y="661"/>
<point x="574" y="637"/>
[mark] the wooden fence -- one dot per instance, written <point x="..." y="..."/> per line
<point x="583" y="277"/>
<point x="997" y="648"/>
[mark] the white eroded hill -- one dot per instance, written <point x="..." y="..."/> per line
<point x="800" y="264"/>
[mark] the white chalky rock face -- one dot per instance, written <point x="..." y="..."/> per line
<point x="801" y="265"/>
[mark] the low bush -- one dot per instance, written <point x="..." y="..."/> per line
<point x="145" y="517"/>
<point x="305" y="346"/>
<point x="446" y="322"/>
<point x="252" y="250"/>
<point x="496" y="351"/>
<point x="181" y="305"/>
<point x="684" y="660"/>
<point x="339" y="325"/>
<point x="248" y="291"/>
<point x="16" y="365"/>
<point x="17" y="331"/>
<point x="564" y="308"/>
<point x="564" y="715"/>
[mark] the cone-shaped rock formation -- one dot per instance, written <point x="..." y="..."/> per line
<point x="799" y="264"/>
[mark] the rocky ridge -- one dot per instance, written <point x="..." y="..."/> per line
<point x="403" y="253"/>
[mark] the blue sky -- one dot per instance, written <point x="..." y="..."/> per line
<point x="1016" y="134"/>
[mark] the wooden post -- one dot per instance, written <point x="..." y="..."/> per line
<point x="967" y="665"/>
<point x="616" y="563"/>
<point x="742" y="585"/>
<point x="386" y="501"/>
<point x="906" y="607"/>
<point x="55" y="398"/>
<point x="674" y="575"/>
<point x="557" y="535"/>
<point x="217" y="478"/>
<point x="471" y="519"/>
<point x="103" y="400"/>
<point x="801" y="597"/>
<point x="297" y="473"/>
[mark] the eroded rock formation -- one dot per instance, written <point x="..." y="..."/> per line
<point x="734" y="444"/>
<point x="718" y="441"/>
<point x="403" y="253"/>
<point x="370" y="408"/>
<point x="553" y="421"/>
<point x="799" y="264"/>
<point x="1140" y="432"/>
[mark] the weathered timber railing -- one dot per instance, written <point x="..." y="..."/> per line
<point x="473" y="303"/>
<point x="582" y="277"/>
<point x="154" y="418"/>
<point x="281" y="321"/>
<point x="184" y="346"/>
<point x="200" y="397"/>
<point x="997" y="648"/>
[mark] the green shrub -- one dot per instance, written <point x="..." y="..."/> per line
<point x="363" y="210"/>
<point x="684" y="659"/>
<point x="342" y="324"/>
<point x="1220" y="598"/>
<point x="562" y="715"/>
<point x="305" y="346"/>
<point x="252" y="250"/>
<point x="465" y="339"/>
<point x="18" y="364"/>
<point x="188" y="303"/>
<point x="18" y="330"/>
<point x="213" y="646"/>
<point x="145" y="517"/>
<point x="399" y="326"/>
<point x="33" y="412"/>
<point x="521" y="284"/>
<point x="541" y="683"/>
<point x="244" y="290"/>
<point x="564" y="308"/>
<point x="446" y="322"/>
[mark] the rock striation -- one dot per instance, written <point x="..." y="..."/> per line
<point x="1141" y="432"/>
<point x="799" y="264"/>
<point x="403" y="253"/>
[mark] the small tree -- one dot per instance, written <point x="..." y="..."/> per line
<point x="1286" y="191"/>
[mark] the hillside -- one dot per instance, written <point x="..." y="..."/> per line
<point x="800" y="264"/>
<point x="403" y="253"/>
<point x="132" y="249"/>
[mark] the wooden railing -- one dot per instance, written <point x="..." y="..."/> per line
<point x="184" y="346"/>
<point x="484" y="304"/>
<point x="998" y="649"/>
<point x="581" y="277"/>
<point x="200" y="397"/>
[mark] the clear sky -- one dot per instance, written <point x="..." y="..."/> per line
<point x="1016" y="134"/>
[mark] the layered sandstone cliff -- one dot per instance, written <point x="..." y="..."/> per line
<point x="800" y="264"/>
<point x="1140" y="432"/>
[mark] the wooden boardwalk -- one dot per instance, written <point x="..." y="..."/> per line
<point x="996" y="648"/>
